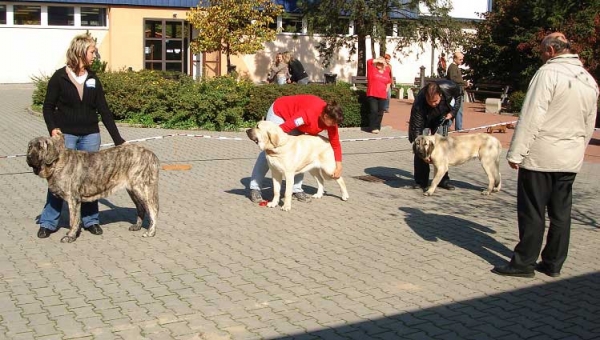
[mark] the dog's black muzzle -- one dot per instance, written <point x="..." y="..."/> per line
<point x="252" y="135"/>
<point x="33" y="165"/>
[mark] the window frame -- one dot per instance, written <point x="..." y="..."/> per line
<point x="5" y="19"/>
<point x="164" y="61"/>
<point x="27" y="5"/>
<point x="9" y="9"/>
<point x="59" y="6"/>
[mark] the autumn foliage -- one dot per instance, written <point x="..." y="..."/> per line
<point x="233" y="26"/>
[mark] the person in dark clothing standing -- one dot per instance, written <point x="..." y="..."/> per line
<point x="73" y="100"/>
<point x="435" y="105"/>
<point x="455" y="75"/>
<point x="297" y="73"/>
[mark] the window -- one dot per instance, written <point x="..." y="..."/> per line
<point x="291" y="24"/>
<point x="341" y="26"/>
<point x="92" y="16"/>
<point x="2" y="14"/>
<point x="27" y="15"/>
<point x="389" y="29"/>
<point x="273" y="25"/>
<point x="61" y="16"/>
<point x="165" y="45"/>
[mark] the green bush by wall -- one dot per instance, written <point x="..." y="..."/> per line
<point x="175" y="100"/>
<point x="516" y="100"/>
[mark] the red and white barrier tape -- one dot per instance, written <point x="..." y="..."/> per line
<point x="240" y="138"/>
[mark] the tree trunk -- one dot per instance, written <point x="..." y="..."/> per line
<point x="361" y="52"/>
<point x="228" y="59"/>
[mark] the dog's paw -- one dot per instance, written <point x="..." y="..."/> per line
<point x="428" y="193"/>
<point x="135" y="227"/>
<point x="485" y="192"/>
<point x="317" y="195"/>
<point x="272" y="204"/>
<point x="287" y="207"/>
<point x="149" y="234"/>
<point x="345" y="197"/>
<point x="68" y="239"/>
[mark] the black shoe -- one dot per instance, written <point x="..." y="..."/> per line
<point x="255" y="196"/>
<point x="94" y="229"/>
<point x="419" y="186"/>
<point x="509" y="270"/>
<point x="447" y="186"/>
<point x="44" y="233"/>
<point x="543" y="268"/>
<point x="301" y="196"/>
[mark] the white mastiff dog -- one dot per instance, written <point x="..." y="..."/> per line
<point x="290" y="155"/>
<point x="456" y="150"/>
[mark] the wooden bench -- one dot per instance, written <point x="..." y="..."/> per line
<point x="483" y="91"/>
<point x="427" y="80"/>
<point x="362" y="80"/>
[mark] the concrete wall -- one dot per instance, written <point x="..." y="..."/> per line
<point x="126" y="35"/>
<point x="465" y="9"/>
<point x="30" y="52"/>
<point x="34" y="51"/>
<point x="256" y="66"/>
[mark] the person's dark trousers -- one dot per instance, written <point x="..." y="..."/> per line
<point x="537" y="191"/>
<point x="422" y="173"/>
<point x="376" y="108"/>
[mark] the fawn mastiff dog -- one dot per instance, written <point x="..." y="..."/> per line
<point x="455" y="150"/>
<point x="290" y="155"/>
<point x="80" y="176"/>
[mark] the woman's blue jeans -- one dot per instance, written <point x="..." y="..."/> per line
<point x="89" y="210"/>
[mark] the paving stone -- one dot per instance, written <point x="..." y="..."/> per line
<point x="389" y="263"/>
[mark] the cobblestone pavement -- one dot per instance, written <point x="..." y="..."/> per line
<point x="387" y="264"/>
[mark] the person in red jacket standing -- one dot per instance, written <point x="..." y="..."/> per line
<point x="300" y="114"/>
<point x="379" y="81"/>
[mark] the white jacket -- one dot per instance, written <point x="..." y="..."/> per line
<point x="557" y="119"/>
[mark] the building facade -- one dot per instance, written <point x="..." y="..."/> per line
<point x="153" y="34"/>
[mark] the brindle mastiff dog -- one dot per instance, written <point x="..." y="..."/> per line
<point x="456" y="150"/>
<point x="80" y="176"/>
<point x="289" y="155"/>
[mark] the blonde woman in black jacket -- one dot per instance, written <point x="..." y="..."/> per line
<point x="73" y="100"/>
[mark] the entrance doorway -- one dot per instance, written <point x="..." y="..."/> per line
<point x="166" y="45"/>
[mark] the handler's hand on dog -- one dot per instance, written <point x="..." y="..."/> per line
<point x="338" y="170"/>
<point x="55" y="132"/>
<point x="513" y="165"/>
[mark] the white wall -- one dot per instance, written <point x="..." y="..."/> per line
<point x="464" y="9"/>
<point x="34" y="51"/>
<point x="405" y="69"/>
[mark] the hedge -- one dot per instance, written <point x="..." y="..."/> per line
<point x="175" y="100"/>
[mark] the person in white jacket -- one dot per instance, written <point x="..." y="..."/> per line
<point x="555" y="125"/>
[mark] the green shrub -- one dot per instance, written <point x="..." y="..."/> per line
<point x="516" y="100"/>
<point x="261" y="98"/>
<point x="175" y="100"/>
<point x="39" y="94"/>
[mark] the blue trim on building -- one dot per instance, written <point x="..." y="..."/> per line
<point x="141" y="3"/>
<point x="290" y="6"/>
